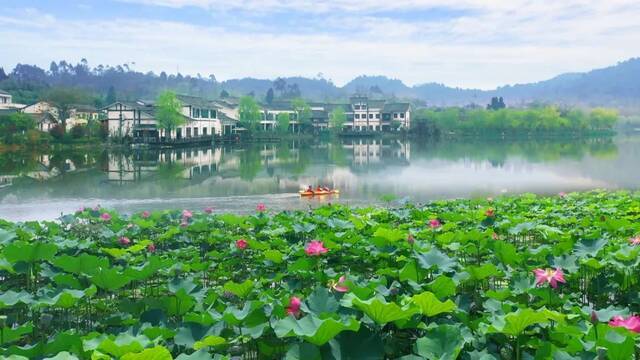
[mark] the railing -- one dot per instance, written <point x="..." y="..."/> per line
<point x="164" y="141"/>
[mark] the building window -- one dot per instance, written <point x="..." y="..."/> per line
<point x="402" y="115"/>
<point x="357" y="116"/>
<point x="188" y="132"/>
<point x="204" y="131"/>
<point x="357" y="107"/>
<point x="370" y="116"/>
<point x="378" y="116"/>
<point x="204" y="113"/>
<point x="395" y="115"/>
<point x="195" y="132"/>
<point x="214" y="114"/>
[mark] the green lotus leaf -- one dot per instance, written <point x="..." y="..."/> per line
<point x="109" y="279"/>
<point x="64" y="355"/>
<point x="379" y="310"/>
<point x="516" y="322"/>
<point x="431" y="306"/>
<point x="313" y="329"/>
<point x="82" y="264"/>
<point x="321" y="301"/>
<point x="10" y="298"/>
<point x="201" y="354"/>
<point x="443" y="342"/>
<point x="303" y="351"/>
<point x="435" y="259"/>
<point x="210" y="340"/>
<point x="154" y="353"/>
<point x="443" y="287"/>
<point x="9" y="334"/>
<point x="274" y="256"/>
<point x="240" y="290"/>
<point x="29" y="252"/>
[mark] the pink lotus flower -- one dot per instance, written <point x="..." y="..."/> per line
<point x="562" y="194"/>
<point x="208" y="210"/>
<point x="124" y="241"/>
<point x="186" y="214"/>
<point x="635" y="240"/>
<point x="184" y="223"/>
<point x="261" y="207"/>
<point x="151" y="248"/>
<point x="96" y="208"/>
<point x="490" y="212"/>
<point x="315" y="248"/>
<point x="495" y="236"/>
<point x="241" y="244"/>
<point x="294" y="306"/>
<point x="105" y="216"/>
<point x="81" y="209"/>
<point x="340" y="285"/>
<point x="434" y="223"/>
<point x="553" y="277"/>
<point x="411" y="239"/>
<point x="632" y="323"/>
<point x="145" y="214"/>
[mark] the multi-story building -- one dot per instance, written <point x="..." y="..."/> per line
<point x="5" y="98"/>
<point x="138" y="120"/>
<point x="362" y="114"/>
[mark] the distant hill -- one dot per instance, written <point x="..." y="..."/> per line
<point x="615" y="86"/>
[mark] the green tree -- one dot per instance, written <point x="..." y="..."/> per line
<point x="269" y="97"/>
<point x="249" y="112"/>
<point x="64" y="99"/>
<point x="111" y="96"/>
<point x="337" y="118"/>
<point x="283" y="119"/>
<point x="168" y="111"/>
<point x="303" y="112"/>
<point x="14" y="128"/>
<point x="601" y="118"/>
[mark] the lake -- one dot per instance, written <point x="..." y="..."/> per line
<point x="234" y="178"/>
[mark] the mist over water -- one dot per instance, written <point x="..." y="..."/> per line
<point x="234" y="178"/>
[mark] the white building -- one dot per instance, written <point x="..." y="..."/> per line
<point x="45" y="115"/>
<point x="137" y="120"/>
<point x="5" y="98"/>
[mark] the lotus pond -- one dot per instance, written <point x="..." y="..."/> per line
<point x="523" y="277"/>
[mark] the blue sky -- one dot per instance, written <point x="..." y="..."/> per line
<point x="465" y="43"/>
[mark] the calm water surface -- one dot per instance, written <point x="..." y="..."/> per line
<point x="235" y="178"/>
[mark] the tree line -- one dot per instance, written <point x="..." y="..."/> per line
<point x="546" y="119"/>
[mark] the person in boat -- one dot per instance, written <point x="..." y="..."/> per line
<point x="326" y="189"/>
<point x="319" y="189"/>
<point x="310" y="189"/>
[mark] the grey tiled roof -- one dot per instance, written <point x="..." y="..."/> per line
<point x="396" y="107"/>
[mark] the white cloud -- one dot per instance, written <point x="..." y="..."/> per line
<point x="497" y="43"/>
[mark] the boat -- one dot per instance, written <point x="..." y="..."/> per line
<point x="318" y="193"/>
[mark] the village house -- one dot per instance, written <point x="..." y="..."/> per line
<point x="137" y="120"/>
<point x="44" y="114"/>
<point x="7" y="105"/>
<point x="80" y="115"/>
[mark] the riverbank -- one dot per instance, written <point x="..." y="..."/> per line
<point x="504" y="278"/>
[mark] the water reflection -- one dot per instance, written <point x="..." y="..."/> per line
<point x="234" y="178"/>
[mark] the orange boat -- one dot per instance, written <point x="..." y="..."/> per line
<point x="319" y="193"/>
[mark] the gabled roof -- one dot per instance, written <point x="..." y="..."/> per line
<point x="279" y="105"/>
<point x="84" y="108"/>
<point x="396" y="107"/>
<point x="42" y="117"/>
<point x="2" y="92"/>
<point x="197" y="101"/>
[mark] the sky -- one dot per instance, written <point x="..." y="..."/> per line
<point x="462" y="43"/>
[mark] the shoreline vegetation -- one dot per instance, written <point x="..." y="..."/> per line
<point x="505" y="278"/>
<point x="19" y="130"/>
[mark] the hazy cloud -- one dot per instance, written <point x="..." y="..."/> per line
<point x="461" y="43"/>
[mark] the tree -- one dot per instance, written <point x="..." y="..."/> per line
<point x="224" y="94"/>
<point x="249" y="112"/>
<point x="168" y="112"/>
<point x="497" y="103"/>
<point x="303" y="112"/>
<point x="280" y="85"/>
<point x="3" y="75"/>
<point x="111" y="95"/>
<point x="337" y="118"/>
<point x="64" y="100"/>
<point x="282" y="119"/>
<point x="14" y="127"/>
<point x="269" y="98"/>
